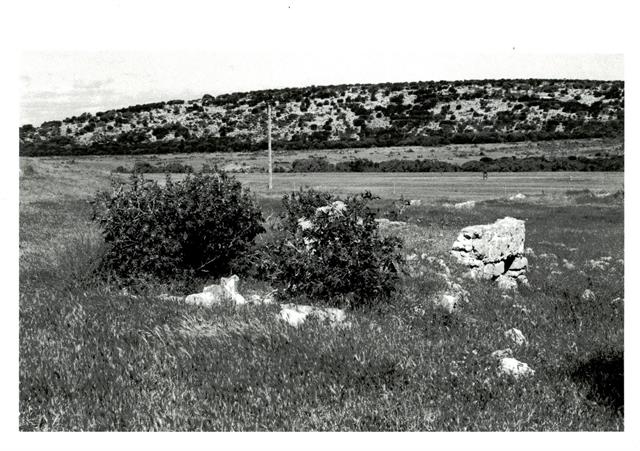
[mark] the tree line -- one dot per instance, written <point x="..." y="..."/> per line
<point x="503" y="164"/>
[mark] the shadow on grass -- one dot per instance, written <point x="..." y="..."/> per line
<point x="604" y="376"/>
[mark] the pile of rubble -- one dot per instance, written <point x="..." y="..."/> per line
<point x="494" y="251"/>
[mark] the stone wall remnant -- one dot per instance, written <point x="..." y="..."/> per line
<point x="493" y="251"/>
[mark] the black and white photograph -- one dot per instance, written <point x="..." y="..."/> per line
<point x="329" y="217"/>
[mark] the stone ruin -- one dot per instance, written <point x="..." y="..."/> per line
<point x="494" y="251"/>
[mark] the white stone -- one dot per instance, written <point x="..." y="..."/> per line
<point x="447" y="301"/>
<point x="339" y="206"/>
<point x="386" y="222"/>
<point x="168" y="297"/>
<point x="519" y="263"/>
<point x="293" y="317"/>
<point x="204" y="299"/>
<point x="467" y="259"/>
<point x="493" y="251"/>
<point x="598" y="264"/>
<point x="506" y="283"/>
<point x="468" y="205"/>
<point x="258" y="299"/>
<point x="516" y="336"/>
<point x="492" y="270"/>
<point x="493" y="242"/>
<point x="296" y="315"/>
<point x="518" y="196"/>
<point x="415" y="202"/>
<point x="515" y="274"/>
<point x="305" y="224"/>
<point x="462" y="245"/>
<point x="512" y="367"/>
<point x="214" y="294"/>
<point x="588" y="295"/>
<point x="229" y="284"/>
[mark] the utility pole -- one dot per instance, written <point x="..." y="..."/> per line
<point x="269" y="146"/>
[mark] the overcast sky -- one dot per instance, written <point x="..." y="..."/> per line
<point x="55" y="85"/>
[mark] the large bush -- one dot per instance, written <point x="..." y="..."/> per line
<point x="330" y="251"/>
<point x="196" y="227"/>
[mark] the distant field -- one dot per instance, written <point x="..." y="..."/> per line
<point x="455" y="154"/>
<point x="83" y="177"/>
<point x="430" y="186"/>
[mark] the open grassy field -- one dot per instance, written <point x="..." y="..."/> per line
<point x="86" y="175"/>
<point x="431" y="187"/>
<point x="94" y="357"/>
<point x="257" y="161"/>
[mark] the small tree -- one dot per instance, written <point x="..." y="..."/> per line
<point x="331" y="251"/>
<point x="196" y="227"/>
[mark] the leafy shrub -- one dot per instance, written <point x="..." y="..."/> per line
<point x="331" y="251"/>
<point x="195" y="227"/>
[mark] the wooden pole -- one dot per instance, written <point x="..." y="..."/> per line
<point x="269" y="147"/>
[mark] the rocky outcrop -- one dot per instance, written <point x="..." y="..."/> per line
<point x="493" y="251"/>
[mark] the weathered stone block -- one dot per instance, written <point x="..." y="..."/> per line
<point x="493" y="250"/>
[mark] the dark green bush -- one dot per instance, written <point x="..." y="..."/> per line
<point x="196" y="227"/>
<point x="330" y="251"/>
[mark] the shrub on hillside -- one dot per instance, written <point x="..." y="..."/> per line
<point x="196" y="227"/>
<point x="330" y="251"/>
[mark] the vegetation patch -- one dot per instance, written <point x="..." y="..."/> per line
<point x="345" y="116"/>
<point x="330" y="250"/>
<point x="504" y="164"/>
<point x="95" y="357"/>
<point x="195" y="227"/>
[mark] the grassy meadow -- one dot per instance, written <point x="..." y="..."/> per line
<point x="95" y="357"/>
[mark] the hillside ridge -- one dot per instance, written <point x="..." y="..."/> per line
<point x="339" y="116"/>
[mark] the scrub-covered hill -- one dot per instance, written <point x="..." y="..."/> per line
<point x="362" y="115"/>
